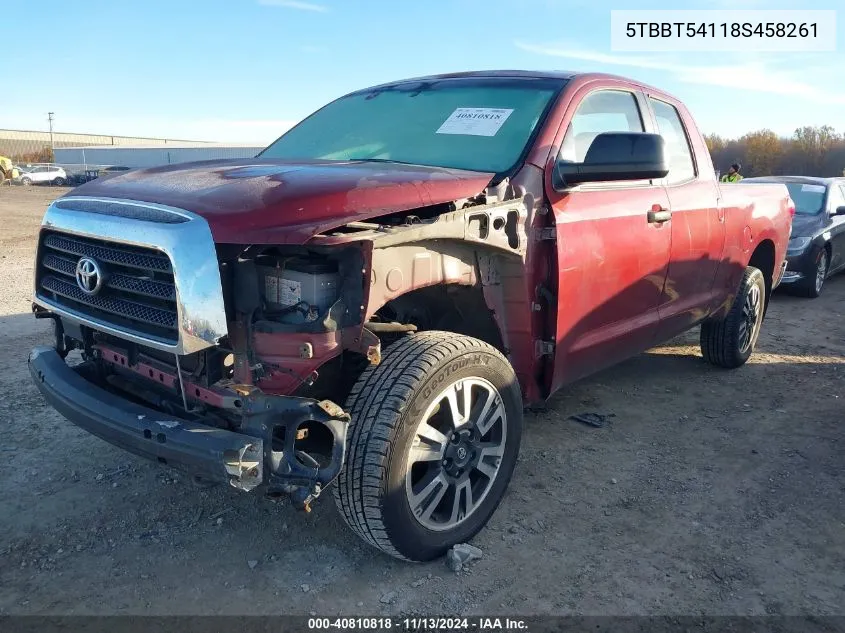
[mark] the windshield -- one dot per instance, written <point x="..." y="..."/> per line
<point x="808" y="198"/>
<point x="478" y="126"/>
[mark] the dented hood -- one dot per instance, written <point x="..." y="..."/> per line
<point x="255" y="201"/>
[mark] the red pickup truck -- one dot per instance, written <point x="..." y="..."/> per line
<point x="371" y="302"/>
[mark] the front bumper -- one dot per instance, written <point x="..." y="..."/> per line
<point x="800" y="266"/>
<point x="781" y="273"/>
<point x="245" y="460"/>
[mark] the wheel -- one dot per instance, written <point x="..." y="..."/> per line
<point x="812" y="286"/>
<point x="729" y="342"/>
<point x="26" y="181"/>
<point x="59" y="181"/>
<point x="433" y="441"/>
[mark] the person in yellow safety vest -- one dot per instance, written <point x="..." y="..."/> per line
<point x="733" y="174"/>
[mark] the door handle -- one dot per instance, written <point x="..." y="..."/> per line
<point x="659" y="215"/>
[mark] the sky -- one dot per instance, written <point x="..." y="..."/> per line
<point x="246" y="70"/>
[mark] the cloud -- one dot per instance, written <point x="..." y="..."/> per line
<point x="295" y="4"/>
<point x="757" y="76"/>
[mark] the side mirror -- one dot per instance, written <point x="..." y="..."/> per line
<point x="839" y="211"/>
<point x="617" y="156"/>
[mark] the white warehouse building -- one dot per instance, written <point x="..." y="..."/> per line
<point x="135" y="156"/>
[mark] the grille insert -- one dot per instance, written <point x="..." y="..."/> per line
<point x="138" y="291"/>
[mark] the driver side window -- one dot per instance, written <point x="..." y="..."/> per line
<point x="600" y="111"/>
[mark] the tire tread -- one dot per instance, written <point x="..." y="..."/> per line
<point x="376" y="403"/>
<point x="718" y="336"/>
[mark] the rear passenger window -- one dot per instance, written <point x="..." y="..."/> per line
<point x="601" y="111"/>
<point x="678" y="153"/>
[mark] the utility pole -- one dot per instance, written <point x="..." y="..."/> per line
<point x="50" y="119"/>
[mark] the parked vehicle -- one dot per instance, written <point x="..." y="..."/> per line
<point x="112" y="169"/>
<point x="43" y="175"/>
<point x="96" y="172"/>
<point x="5" y="169"/>
<point x="77" y="179"/>
<point x="8" y="171"/>
<point x="817" y="244"/>
<point x="428" y="264"/>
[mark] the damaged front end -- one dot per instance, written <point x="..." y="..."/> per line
<point x="170" y="366"/>
<point x="227" y="360"/>
<point x="259" y="451"/>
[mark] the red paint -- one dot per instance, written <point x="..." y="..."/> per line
<point x="193" y="391"/>
<point x="284" y="363"/>
<point x="624" y="284"/>
<point x="266" y="201"/>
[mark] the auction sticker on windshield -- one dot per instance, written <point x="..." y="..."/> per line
<point x="813" y="188"/>
<point x="475" y="121"/>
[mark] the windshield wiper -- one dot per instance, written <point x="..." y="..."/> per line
<point x="383" y="160"/>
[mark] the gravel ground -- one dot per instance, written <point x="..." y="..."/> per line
<point x="711" y="492"/>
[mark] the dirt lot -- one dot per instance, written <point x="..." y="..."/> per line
<point x="711" y="492"/>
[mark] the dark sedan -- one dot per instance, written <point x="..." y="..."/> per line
<point x="817" y="245"/>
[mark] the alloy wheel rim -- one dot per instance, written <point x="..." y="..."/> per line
<point x="455" y="454"/>
<point x="751" y="316"/>
<point x="821" y="270"/>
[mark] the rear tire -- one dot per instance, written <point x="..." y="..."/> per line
<point x="729" y="342"/>
<point x="59" y="182"/>
<point x="413" y="485"/>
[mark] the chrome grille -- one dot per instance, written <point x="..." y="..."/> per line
<point x="138" y="291"/>
<point x="109" y="253"/>
<point x="146" y="287"/>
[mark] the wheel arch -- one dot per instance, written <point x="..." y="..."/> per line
<point x="484" y="284"/>
<point x="829" y="248"/>
<point x="763" y="258"/>
<point x="451" y="307"/>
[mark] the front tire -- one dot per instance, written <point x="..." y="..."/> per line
<point x="433" y="441"/>
<point x="26" y="181"/>
<point x="812" y="287"/>
<point x="729" y="342"/>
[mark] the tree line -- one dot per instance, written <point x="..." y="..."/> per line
<point x="810" y="151"/>
<point x="44" y="155"/>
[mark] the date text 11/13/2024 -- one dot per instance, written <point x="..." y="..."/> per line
<point x="419" y="623"/>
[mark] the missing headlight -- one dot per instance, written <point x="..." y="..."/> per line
<point x="299" y="290"/>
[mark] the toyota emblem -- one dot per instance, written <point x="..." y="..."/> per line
<point x="89" y="277"/>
